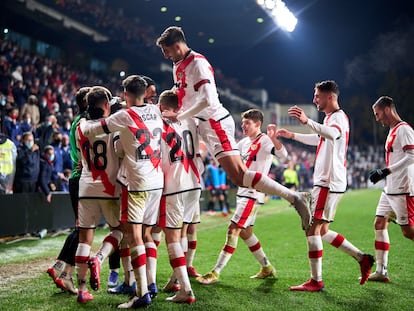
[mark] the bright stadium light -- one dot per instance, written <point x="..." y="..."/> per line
<point x="280" y="14"/>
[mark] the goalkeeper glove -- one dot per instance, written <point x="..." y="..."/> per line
<point x="378" y="174"/>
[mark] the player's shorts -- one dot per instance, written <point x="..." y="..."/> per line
<point x="324" y="203"/>
<point x="91" y="211"/>
<point x="172" y="209"/>
<point x="192" y="207"/>
<point x="402" y="205"/>
<point x="245" y="213"/>
<point x="133" y="206"/>
<point x="152" y="207"/>
<point x="219" y="136"/>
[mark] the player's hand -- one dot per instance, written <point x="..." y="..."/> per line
<point x="378" y="174"/>
<point x="284" y="133"/>
<point x="297" y="113"/>
<point x="271" y="130"/>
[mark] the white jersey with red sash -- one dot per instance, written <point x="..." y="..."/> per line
<point x="257" y="155"/>
<point x="400" y="139"/>
<point x="330" y="162"/>
<point x="100" y="165"/>
<point x="180" y="149"/>
<point x="140" y="130"/>
<point x="194" y="79"/>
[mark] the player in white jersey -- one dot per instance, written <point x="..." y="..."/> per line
<point x="197" y="94"/>
<point x="181" y="190"/>
<point x="257" y="150"/>
<point x="140" y="127"/>
<point x="397" y="199"/>
<point x="329" y="180"/>
<point x="98" y="192"/>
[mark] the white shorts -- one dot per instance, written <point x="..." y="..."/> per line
<point x="402" y="205"/>
<point x="219" y="136"/>
<point x="172" y="209"/>
<point x="91" y="211"/>
<point x="152" y="207"/>
<point x="246" y="212"/>
<point x="133" y="206"/>
<point x="192" y="207"/>
<point x="324" y="203"/>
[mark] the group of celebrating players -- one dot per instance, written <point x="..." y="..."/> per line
<point x="139" y="165"/>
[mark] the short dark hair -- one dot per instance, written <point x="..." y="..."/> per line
<point x="81" y="98"/>
<point x="168" y="99"/>
<point x="327" y="86"/>
<point x="253" y="114"/>
<point x="384" y="101"/>
<point x="95" y="98"/>
<point x="171" y="35"/>
<point x="135" y="85"/>
<point x="148" y="80"/>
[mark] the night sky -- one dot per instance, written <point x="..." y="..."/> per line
<point x="352" y="42"/>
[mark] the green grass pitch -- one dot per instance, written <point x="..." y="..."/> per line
<point x="25" y="285"/>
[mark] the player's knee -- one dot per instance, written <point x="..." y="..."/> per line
<point x="380" y="223"/>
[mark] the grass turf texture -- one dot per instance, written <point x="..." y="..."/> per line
<point x="278" y="228"/>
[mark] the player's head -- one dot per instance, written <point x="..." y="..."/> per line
<point x="326" y="95"/>
<point x="252" y="120"/>
<point x="81" y="98"/>
<point x="384" y="110"/>
<point x="151" y="91"/>
<point x="98" y="99"/>
<point x="173" y="43"/>
<point x="134" y="90"/>
<point x="168" y="101"/>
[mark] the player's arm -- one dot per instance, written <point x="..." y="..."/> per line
<point x="279" y="149"/>
<point x="307" y="139"/>
<point x="330" y="132"/>
<point x="404" y="162"/>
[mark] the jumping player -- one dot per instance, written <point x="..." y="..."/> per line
<point x="197" y="94"/>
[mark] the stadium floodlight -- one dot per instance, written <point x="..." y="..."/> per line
<point x="279" y="13"/>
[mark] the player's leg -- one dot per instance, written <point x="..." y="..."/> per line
<point x="136" y="207"/>
<point x="151" y="252"/>
<point x="114" y="265"/>
<point x="241" y="176"/>
<point x="191" y="249"/>
<point x="224" y="256"/>
<point x="314" y="241"/>
<point x="189" y="232"/>
<point x="255" y="247"/>
<point x="339" y="241"/>
<point x="81" y="260"/>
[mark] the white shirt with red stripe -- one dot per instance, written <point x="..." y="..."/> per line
<point x="180" y="151"/>
<point x="257" y="155"/>
<point x="99" y="164"/>
<point x="194" y="82"/>
<point x="330" y="162"/>
<point x="140" y="130"/>
<point x="399" y="153"/>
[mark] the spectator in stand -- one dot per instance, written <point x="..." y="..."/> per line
<point x="45" y="182"/>
<point x="43" y="110"/>
<point x="13" y="126"/>
<point x="45" y="131"/>
<point x="67" y="161"/>
<point x="57" y="172"/>
<point x="27" y="165"/>
<point x="8" y="155"/>
<point x="65" y="129"/>
<point x="32" y="109"/>
<point x="290" y="177"/>
<point x="26" y="123"/>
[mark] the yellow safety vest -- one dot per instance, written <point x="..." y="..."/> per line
<point x="7" y="157"/>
